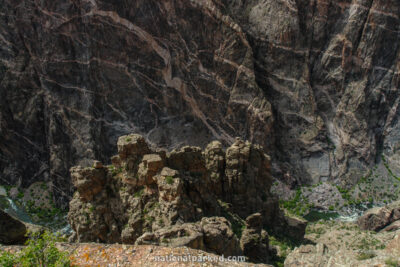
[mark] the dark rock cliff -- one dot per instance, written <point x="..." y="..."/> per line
<point x="314" y="82"/>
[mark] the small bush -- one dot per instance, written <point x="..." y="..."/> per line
<point x="20" y="195"/>
<point x="139" y="193"/>
<point x="392" y="263"/>
<point x="366" y="255"/>
<point x="169" y="180"/>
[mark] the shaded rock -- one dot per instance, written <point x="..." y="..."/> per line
<point x="254" y="221"/>
<point x="295" y="228"/>
<point x="219" y="237"/>
<point x="116" y="161"/>
<point x="247" y="178"/>
<point x="187" y="158"/>
<point x="12" y="231"/>
<point x="215" y="161"/>
<point x="254" y="241"/>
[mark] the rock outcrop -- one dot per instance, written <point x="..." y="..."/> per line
<point x="12" y="231"/>
<point x="315" y="82"/>
<point x="183" y="198"/>
<point x="381" y="218"/>
<point x="213" y="234"/>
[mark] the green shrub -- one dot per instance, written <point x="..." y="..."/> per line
<point x="139" y="193"/>
<point x="169" y="180"/>
<point x="40" y="251"/>
<point x="149" y="219"/>
<point x="7" y="259"/>
<point x="392" y="263"/>
<point x="366" y="256"/>
<point x="20" y="194"/>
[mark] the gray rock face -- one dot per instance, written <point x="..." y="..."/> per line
<point x="323" y="196"/>
<point x="315" y="82"/>
<point x="330" y="70"/>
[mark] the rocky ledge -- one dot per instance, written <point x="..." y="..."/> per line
<point x="91" y="254"/>
<point x="334" y="244"/>
<point x="214" y="200"/>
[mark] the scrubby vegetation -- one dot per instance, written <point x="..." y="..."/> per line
<point x="40" y="251"/>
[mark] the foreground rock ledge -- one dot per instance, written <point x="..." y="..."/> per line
<point x="188" y="197"/>
<point x="90" y="254"/>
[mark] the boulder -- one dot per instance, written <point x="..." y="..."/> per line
<point x="219" y="237"/>
<point x="12" y="231"/>
<point x="88" y="181"/>
<point x="132" y="146"/>
<point x="375" y="219"/>
<point x="295" y="227"/>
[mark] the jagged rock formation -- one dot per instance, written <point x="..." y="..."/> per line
<point x="183" y="198"/>
<point x="315" y="82"/>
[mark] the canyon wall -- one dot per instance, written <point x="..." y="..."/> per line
<point x="314" y="82"/>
